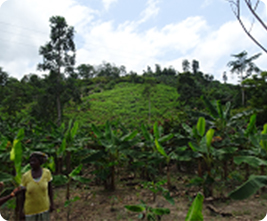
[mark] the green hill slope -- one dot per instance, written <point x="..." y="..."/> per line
<point x="126" y="102"/>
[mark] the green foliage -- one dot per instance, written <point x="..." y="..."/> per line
<point x="147" y="212"/>
<point x="195" y="210"/>
<point x="16" y="155"/>
<point x="125" y="103"/>
<point x="250" y="187"/>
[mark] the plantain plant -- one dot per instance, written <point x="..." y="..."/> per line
<point x="113" y="148"/>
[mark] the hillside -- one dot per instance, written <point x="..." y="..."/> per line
<point x="127" y="103"/>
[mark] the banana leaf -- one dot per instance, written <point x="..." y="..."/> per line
<point x="209" y="136"/>
<point x="195" y="211"/>
<point x="59" y="180"/>
<point x="135" y="208"/>
<point x="5" y="177"/>
<point x="210" y="107"/>
<point x="129" y="136"/>
<point x="161" y="211"/>
<point x="201" y="124"/>
<point x="165" y="138"/>
<point x="76" y="171"/>
<point x="81" y="179"/>
<point x="250" y="187"/>
<point x="251" y="160"/>
<point x="160" y="149"/>
<point x="156" y="130"/>
<point x="94" y="157"/>
<point x="187" y="129"/>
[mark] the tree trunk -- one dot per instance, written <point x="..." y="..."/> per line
<point x="225" y="170"/>
<point x="19" y="205"/>
<point x="169" y="178"/>
<point x="247" y="171"/>
<point x="68" y="164"/>
<point x="149" y="117"/>
<point x="58" y="110"/>
<point x="199" y="168"/>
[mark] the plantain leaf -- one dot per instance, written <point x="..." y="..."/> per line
<point x="81" y="179"/>
<point x="226" y="114"/>
<point x="135" y="208"/>
<point x="59" y="180"/>
<point x="76" y="171"/>
<point x="201" y="124"/>
<point x="250" y="187"/>
<point x="160" y="148"/>
<point x="209" y="136"/>
<point x="251" y="125"/>
<point x="145" y="133"/>
<point x="161" y="211"/>
<point x="156" y="130"/>
<point x="62" y="147"/>
<point x="165" y="138"/>
<point x="187" y="129"/>
<point x="263" y="143"/>
<point x="74" y="130"/>
<point x="219" y="109"/>
<point x="210" y="107"/>
<point x="5" y="177"/>
<point x="94" y="157"/>
<point x="251" y="160"/>
<point x="195" y="211"/>
<point x="129" y="136"/>
<point x="96" y="131"/>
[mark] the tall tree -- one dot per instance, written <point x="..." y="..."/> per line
<point x="195" y="66"/>
<point x="224" y="77"/>
<point x="86" y="71"/>
<point x="244" y="67"/>
<point x="186" y="65"/>
<point x="3" y="77"/>
<point x="59" y="56"/>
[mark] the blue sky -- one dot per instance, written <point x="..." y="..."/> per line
<point x="133" y="33"/>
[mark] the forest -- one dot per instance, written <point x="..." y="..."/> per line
<point x="157" y="145"/>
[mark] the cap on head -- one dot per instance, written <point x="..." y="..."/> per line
<point x="42" y="157"/>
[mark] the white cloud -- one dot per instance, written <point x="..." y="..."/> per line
<point x="23" y="34"/>
<point x="151" y="10"/>
<point x="124" y="46"/>
<point x="119" y="43"/>
<point x="206" y="3"/>
<point x="107" y="3"/>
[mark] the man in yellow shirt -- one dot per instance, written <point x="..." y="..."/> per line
<point x="38" y="197"/>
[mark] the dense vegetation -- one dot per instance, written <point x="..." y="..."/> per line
<point x="115" y="123"/>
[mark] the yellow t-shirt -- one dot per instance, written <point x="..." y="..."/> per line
<point x="36" y="196"/>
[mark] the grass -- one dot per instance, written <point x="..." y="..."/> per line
<point x="126" y="103"/>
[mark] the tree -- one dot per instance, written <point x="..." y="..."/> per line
<point x="252" y="6"/>
<point x="257" y="90"/>
<point x="86" y="71"/>
<point x="186" y="65"/>
<point x="195" y="66"/>
<point x="3" y="77"/>
<point x="58" y="56"/>
<point x="224" y="77"/>
<point x="188" y="90"/>
<point x="243" y="65"/>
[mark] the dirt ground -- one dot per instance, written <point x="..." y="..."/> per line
<point x="96" y="204"/>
